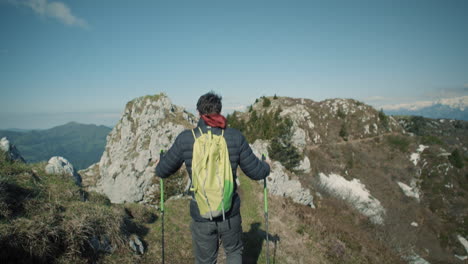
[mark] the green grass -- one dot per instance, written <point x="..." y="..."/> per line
<point x="400" y="143"/>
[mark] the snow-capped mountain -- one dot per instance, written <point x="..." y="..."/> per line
<point x="450" y="108"/>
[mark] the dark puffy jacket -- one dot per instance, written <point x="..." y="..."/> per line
<point x="240" y="154"/>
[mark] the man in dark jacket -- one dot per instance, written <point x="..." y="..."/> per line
<point x="206" y="233"/>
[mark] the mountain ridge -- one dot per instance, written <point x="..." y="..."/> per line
<point x="82" y="144"/>
<point x="448" y="108"/>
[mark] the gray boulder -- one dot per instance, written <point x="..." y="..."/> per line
<point x="60" y="165"/>
<point x="136" y="245"/>
<point x="101" y="244"/>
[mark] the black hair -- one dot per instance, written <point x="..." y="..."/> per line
<point x="209" y="103"/>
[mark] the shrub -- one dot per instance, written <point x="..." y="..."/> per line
<point x="417" y="125"/>
<point x="344" y="132"/>
<point x="456" y="159"/>
<point x="341" y="114"/>
<point x="383" y="119"/>
<point x="266" y="102"/>
<point x="431" y="140"/>
<point x="270" y="126"/>
<point x="399" y="142"/>
<point x="283" y="151"/>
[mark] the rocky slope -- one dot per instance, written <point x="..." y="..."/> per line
<point x="399" y="173"/>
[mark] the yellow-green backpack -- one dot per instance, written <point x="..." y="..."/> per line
<point x="212" y="181"/>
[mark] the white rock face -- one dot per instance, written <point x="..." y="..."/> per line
<point x="11" y="151"/>
<point x="260" y="147"/>
<point x="410" y="191"/>
<point x="416" y="156"/>
<point x="355" y="193"/>
<point x="60" y="165"/>
<point x="299" y="115"/>
<point x="414" y="258"/>
<point x="304" y="165"/>
<point x="279" y="182"/>
<point x="126" y="168"/>
<point x="464" y="242"/>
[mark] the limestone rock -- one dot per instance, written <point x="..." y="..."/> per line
<point x="279" y="182"/>
<point x="10" y="149"/>
<point x="125" y="172"/>
<point x="304" y="166"/>
<point x="60" y="165"/>
<point x="101" y="244"/>
<point x="136" y="245"/>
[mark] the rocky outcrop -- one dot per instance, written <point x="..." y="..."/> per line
<point x="11" y="151"/>
<point x="60" y="165"/>
<point x="136" y="244"/>
<point x="280" y="181"/>
<point x="125" y="172"/>
<point x="321" y="122"/>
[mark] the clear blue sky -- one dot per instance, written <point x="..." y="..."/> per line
<point x="83" y="60"/>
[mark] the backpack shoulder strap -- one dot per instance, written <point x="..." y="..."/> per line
<point x="194" y="133"/>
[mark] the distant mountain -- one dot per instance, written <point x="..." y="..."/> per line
<point x="19" y="129"/>
<point x="81" y="144"/>
<point x="434" y="111"/>
<point x="453" y="108"/>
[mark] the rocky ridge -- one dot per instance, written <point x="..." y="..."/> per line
<point x="395" y="171"/>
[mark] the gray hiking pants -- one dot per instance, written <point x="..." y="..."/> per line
<point x="207" y="235"/>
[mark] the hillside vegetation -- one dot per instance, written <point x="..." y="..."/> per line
<point x="48" y="219"/>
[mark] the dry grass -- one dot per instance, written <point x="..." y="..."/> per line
<point x="45" y="219"/>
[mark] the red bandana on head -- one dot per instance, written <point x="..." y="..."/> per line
<point x="215" y="120"/>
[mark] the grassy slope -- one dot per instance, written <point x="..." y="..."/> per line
<point x="46" y="218"/>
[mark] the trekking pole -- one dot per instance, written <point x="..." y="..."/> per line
<point x="162" y="211"/>
<point x="265" y="199"/>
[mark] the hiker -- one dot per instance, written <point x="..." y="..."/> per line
<point x="212" y="227"/>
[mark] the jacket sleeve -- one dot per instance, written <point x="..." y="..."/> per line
<point x="253" y="167"/>
<point x="170" y="161"/>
